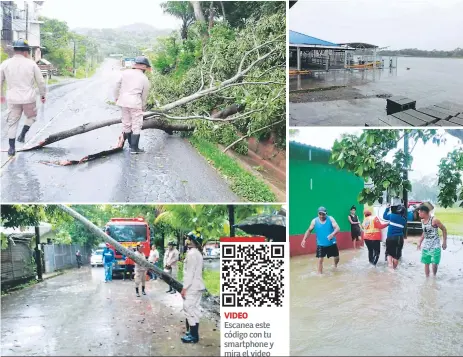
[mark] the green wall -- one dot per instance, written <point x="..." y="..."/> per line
<point x="337" y="190"/>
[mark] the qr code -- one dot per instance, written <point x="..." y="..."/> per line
<point x="253" y="275"/>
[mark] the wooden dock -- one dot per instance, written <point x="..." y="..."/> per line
<point x="445" y="114"/>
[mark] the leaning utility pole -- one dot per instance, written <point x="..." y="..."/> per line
<point x="26" y="8"/>
<point x="38" y="256"/>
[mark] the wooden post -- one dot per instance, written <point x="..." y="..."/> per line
<point x="26" y="8"/>
<point x="231" y="219"/>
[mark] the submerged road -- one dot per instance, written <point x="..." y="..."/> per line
<point x="77" y="314"/>
<point x="171" y="170"/>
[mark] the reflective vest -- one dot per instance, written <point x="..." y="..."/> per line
<point x="370" y="230"/>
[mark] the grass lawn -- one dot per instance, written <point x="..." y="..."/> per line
<point x="452" y="218"/>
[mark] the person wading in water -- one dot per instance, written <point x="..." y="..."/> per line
<point x="372" y="235"/>
<point x="326" y="229"/>
<point x="430" y="241"/>
<point x="355" y="227"/>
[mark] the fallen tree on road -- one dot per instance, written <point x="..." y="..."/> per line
<point x="208" y="302"/>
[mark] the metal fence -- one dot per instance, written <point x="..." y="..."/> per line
<point x="17" y="263"/>
<point x="61" y="256"/>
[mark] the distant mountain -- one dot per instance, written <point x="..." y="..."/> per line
<point x="127" y="39"/>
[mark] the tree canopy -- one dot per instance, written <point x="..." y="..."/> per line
<point x="365" y="155"/>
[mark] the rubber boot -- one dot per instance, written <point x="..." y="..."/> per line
<point x="136" y="290"/>
<point x="194" y="335"/>
<point x="128" y="137"/>
<point x="134" y="149"/>
<point x="143" y="290"/>
<point x="22" y="136"/>
<point x="12" y="149"/>
<point x="187" y="333"/>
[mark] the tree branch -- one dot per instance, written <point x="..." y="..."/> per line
<point x="253" y="132"/>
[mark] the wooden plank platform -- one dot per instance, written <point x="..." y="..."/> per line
<point x="424" y="117"/>
<point x="407" y="118"/>
<point x="433" y="113"/>
<point x="440" y="115"/>
<point x="458" y="121"/>
<point x="444" y="123"/>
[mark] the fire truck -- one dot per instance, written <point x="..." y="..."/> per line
<point x="128" y="232"/>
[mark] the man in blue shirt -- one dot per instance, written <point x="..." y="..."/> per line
<point x="108" y="260"/>
<point x="395" y="234"/>
<point x="326" y="229"/>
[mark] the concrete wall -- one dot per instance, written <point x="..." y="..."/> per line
<point x="313" y="182"/>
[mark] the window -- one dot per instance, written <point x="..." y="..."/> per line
<point x="128" y="233"/>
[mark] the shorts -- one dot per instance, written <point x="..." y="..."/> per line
<point x="330" y="251"/>
<point x="355" y="237"/>
<point x="394" y="247"/>
<point x="431" y="256"/>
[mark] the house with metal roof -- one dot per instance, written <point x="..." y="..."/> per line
<point x="311" y="53"/>
<point x="314" y="182"/>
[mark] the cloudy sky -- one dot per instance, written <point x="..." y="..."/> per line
<point x="108" y="13"/>
<point x="423" y="24"/>
<point x="426" y="158"/>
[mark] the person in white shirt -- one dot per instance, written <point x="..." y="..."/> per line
<point x="170" y="263"/>
<point x="153" y="259"/>
<point x="193" y="287"/>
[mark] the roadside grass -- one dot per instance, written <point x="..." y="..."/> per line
<point x="20" y="287"/>
<point x="211" y="279"/>
<point x="53" y="81"/>
<point x="452" y="218"/>
<point x="243" y="183"/>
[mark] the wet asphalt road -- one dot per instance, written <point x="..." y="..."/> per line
<point x="77" y="314"/>
<point x="170" y="171"/>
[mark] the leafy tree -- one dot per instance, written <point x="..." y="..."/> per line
<point x="182" y="10"/>
<point x="364" y="155"/>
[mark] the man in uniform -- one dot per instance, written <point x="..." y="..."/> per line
<point x="193" y="287"/>
<point x="21" y="74"/>
<point x="326" y="229"/>
<point x="131" y="95"/>
<point x="140" y="272"/>
<point x="170" y="263"/>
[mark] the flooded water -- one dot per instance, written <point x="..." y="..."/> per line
<point x="428" y="81"/>
<point x="362" y="310"/>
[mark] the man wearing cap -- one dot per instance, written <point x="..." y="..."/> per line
<point x="140" y="272"/>
<point x="326" y="229"/>
<point x="193" y="286"/>
<point x="131" y="93"/>
<point x="108" y="260"/>
<point x="430" y="242"/>
<point x="21" y="74"/>
<point x="395" y="234"/>
<point x="170" y="263"/>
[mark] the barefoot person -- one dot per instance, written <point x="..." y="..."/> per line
<point x="395" y="235"/>
<point x="372" y="235"/>
<point x="355" y="227"/>
<point x="326" y="229"/>
<point x="430" y="241"/>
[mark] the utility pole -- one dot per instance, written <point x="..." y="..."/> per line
<point x="231" y="219"/>
<point x="74" y="59"/>
<point x="26" y="8"/>
<point x="38" y="256"/>
<point x="405" y="176"/>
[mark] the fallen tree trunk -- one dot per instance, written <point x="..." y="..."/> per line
<point x="84" y="128"/>
<point x="208" y="301"/>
